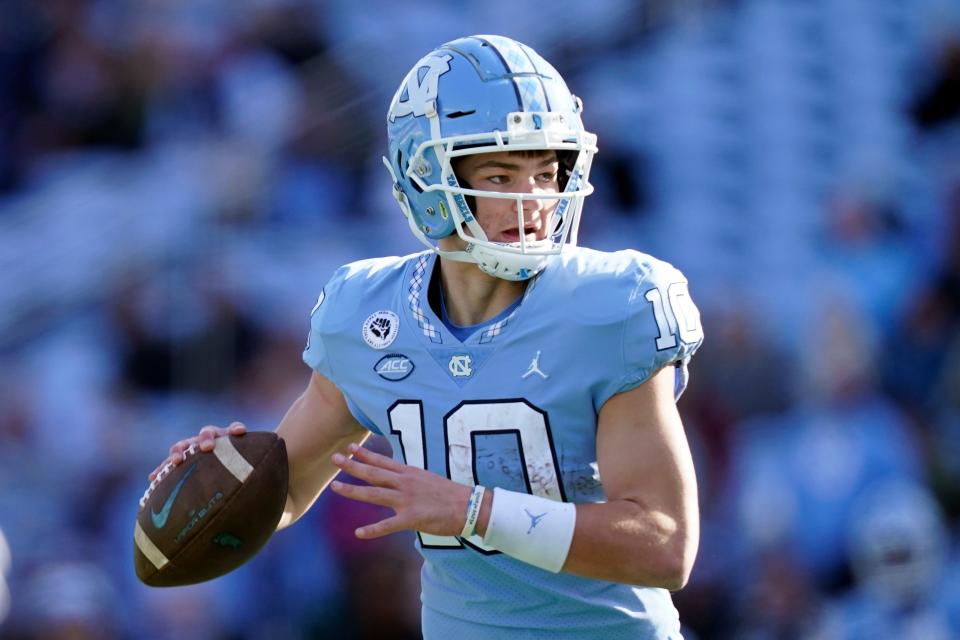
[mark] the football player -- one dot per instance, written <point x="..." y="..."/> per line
<point x="528" y="386"/>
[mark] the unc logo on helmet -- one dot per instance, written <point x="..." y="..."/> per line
<point x="418" y="92"/>
<point x="485" y="94"/>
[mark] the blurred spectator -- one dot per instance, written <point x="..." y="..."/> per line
<point x="799" y="474"/>
<point x="195" y="339"/>
<point x="5" y="562"/>
<point x="867" y="245"/>
<point x="917" y="347"/>
<point x="898" y="547"/>
<point x="69" y="600"/>
<point x="940" y="102"/>
<point x="780" y="601"/>
<point x="944" y="441"/>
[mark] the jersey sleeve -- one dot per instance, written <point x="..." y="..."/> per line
<point x="321" y="318"/>
<point x="661" y="327"/>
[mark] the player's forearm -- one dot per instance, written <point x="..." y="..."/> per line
<point x="621" y="541"/>
<point x="298" y="504"/>
<point x="303" y="492"/>
<point x="317" y="425"/>
<point x="290" y="514"/>
<point x="309" y="479"/>
<point x="300" y="498"/>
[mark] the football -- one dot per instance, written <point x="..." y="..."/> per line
<point x="212" y="512"/>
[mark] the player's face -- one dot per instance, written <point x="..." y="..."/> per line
<point x="512" y="172"/>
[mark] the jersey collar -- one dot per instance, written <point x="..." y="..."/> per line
<point x="431" y="327"/>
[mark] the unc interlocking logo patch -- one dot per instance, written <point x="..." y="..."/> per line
<point x="461" y="366"/>
<point x="380" y="329"/>
<point x="419" y="91"/>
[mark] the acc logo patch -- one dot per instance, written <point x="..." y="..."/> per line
<point x="394" y="367"/>
<point x="380" y="329"/>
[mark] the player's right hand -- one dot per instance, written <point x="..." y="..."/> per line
<point x="203" y="441"/>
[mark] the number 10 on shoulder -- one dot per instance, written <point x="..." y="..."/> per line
<point x="678" y="318"/>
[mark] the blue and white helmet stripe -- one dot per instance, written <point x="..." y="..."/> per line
<point x="530" y="90"/>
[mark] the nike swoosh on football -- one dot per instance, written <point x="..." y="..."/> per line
<point x="160" y="519"/>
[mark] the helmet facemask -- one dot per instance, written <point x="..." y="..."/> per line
<point x="514" y="260"/>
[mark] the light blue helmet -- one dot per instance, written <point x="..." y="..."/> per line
<point x="484" y="94"/>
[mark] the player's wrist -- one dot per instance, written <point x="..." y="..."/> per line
<point x="484" y="518"/>
<point x="536" y="530"/>
<point x="474" y="503"/>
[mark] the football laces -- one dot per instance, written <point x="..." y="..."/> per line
<point x="164" y="472"/>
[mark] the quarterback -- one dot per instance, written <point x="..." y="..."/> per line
<point x="528" y="386"/>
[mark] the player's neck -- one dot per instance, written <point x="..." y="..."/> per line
<point x="471" y="296"/>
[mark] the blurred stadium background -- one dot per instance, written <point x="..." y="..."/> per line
<point x="178" y="178"/>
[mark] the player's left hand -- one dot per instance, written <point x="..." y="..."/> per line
<point x="422" y="500"/>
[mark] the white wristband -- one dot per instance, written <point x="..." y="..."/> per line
<point x="530" y="528"/>
<point x="473" y="511"/>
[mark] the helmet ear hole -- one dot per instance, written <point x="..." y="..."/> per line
<point x="410" y="181"/>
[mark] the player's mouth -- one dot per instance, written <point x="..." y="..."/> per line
<point x="531" y="233"/>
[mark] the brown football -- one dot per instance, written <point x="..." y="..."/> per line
<point x="211" y="513"/>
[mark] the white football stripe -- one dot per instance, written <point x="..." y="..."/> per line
<point x="148" y="549"/>
<point x="229" y="457"/>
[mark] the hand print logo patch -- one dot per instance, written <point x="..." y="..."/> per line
<point x="380" y="329"/>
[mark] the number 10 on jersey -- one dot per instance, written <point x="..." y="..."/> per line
<point x="526" y="422"/>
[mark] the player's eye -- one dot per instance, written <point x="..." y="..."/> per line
<point x="498" y="179"/>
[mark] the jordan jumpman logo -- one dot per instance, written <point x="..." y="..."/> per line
<point x="535" y="368"/>
<point x="534" y="520"/>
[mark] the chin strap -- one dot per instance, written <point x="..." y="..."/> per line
<point x="492" y="264"/>
<point x="459" y="256"/>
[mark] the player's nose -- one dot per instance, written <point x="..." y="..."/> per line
<point x="532" y="205"/>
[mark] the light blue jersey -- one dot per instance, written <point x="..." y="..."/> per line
<point x="515" y="406"/>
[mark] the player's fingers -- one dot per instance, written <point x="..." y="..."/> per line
<point x="372" y="475"/>
<point x="209" y="432"/>
<point x="374" y="458"/>
<point x="382" y="528"/>
<point x="179" y="447"/>
<point x="365" y="493"/>
<point x="177" y="454"/>
<point x="237" y="429"/>
<point x="206" y="437"/>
